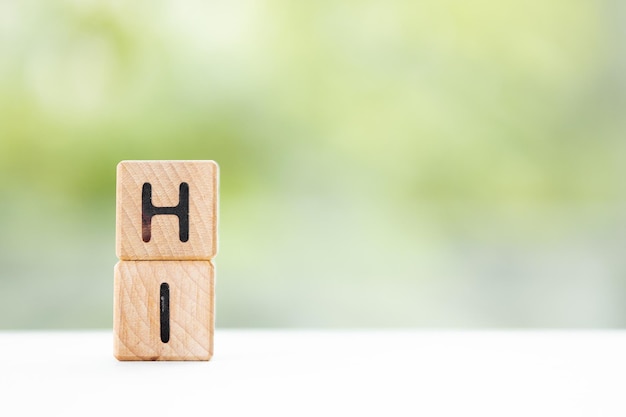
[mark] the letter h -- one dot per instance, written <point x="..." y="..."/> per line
<point x="148" y="210"/>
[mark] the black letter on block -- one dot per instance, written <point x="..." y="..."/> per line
<point x="165" y="312"/>
<point x="181" y="210"/>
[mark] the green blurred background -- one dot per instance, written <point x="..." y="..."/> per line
<point x="383" y="163"/>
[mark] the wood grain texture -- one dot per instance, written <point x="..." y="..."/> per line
<point x="136" y="313"/>
<point x="165" y="178"/>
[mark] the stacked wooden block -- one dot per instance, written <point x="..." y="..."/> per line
<point x="166" y="236"/>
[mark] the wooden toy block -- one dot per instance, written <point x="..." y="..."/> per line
<point x="166" y="210"/>
<point x="163" y="310"/>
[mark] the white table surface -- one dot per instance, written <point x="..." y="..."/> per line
<point x="339" y="373"/>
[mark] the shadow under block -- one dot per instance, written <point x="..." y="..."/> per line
<point x="137" y="313"/>
<point x="180" y="197"/>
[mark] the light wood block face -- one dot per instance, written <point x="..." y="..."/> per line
<point x="139" y="320"/>
<point x="173" y="217"/>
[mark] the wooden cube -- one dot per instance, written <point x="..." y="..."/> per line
<point x="163" y="310"/>
<point x="166" y="210"/>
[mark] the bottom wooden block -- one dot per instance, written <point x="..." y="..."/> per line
<point x="163" y="310"/>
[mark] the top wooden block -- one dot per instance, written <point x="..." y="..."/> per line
<point x="166" y="210"/>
